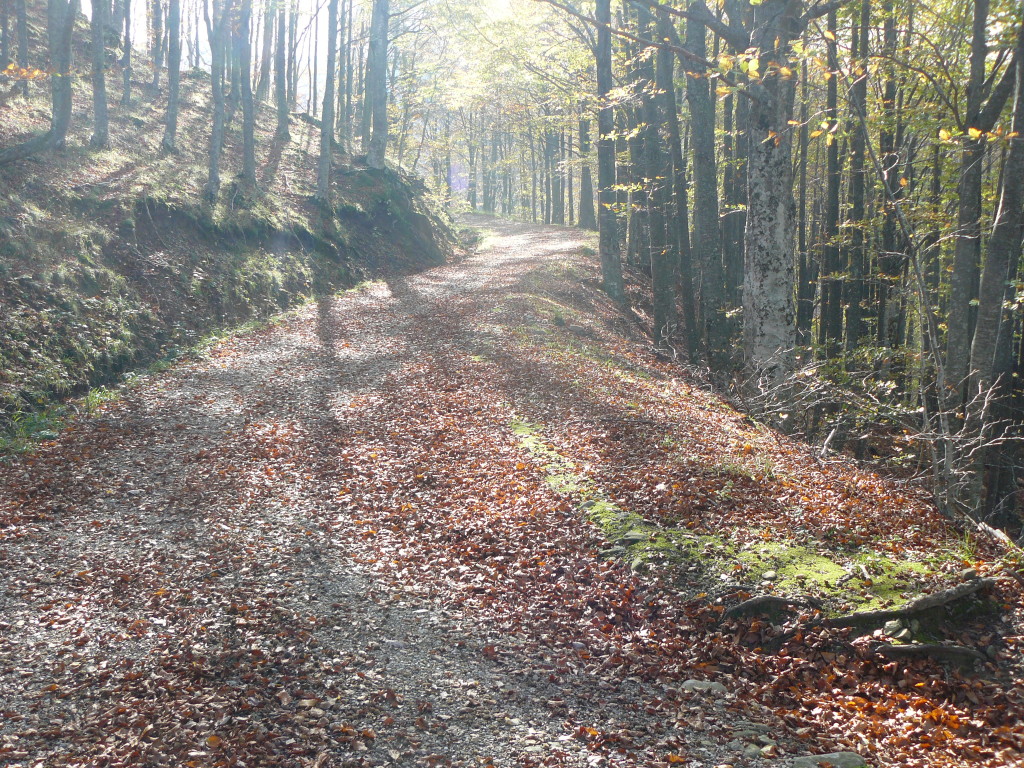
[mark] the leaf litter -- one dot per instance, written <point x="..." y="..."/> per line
<point x="327" y="544"/>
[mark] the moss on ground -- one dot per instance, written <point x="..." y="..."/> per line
<point x="864" y="579"/>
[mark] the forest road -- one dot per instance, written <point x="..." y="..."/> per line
<point x="298" y="551"/>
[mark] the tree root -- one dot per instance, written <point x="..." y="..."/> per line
<point x="875" y="619"/>
<point x="957" y="655"/>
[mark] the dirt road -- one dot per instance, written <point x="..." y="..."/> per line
<point x="326" y="543"/>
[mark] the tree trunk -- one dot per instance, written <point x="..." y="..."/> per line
<point x="243" y="50"/>
<point x="857" y="255"/>
<point x="831" y="323"/>
<point x="5" y="34"/>
<point x="680" y="210"/>
<point x="281" y="74"/>
<point x="126" y="58"/>
<point x="293" y="54"/>
<point x="707" y="238"/>
<point x="587" y="218"/>
<point x="216" y="32"/>
<point x="98" y="30"/>
<point x="964" y="277"/>
<point x="157" y="42"/>
<point x="61" y="16"/>
<point x="323" y="175"/>
<point x="659" y="171"/>
<point x="611" y="267"/>
<point x="173" y="74"/>
<point x="266" y="52"/>
<point x="339" y="101"/>
<point x="1002" y="250"/>
<point x="889" y="260"/>
<point x="376" y="86"/>
<point x="768" y="327"/>
<point x="805" y="283"/>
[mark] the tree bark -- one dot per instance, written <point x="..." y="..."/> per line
<point x="680" y="213"/>
<point x="61" y="16"/>
<point x="126" y="58"/>
<point x="1003" y="250"/>
<point x="157" y="42"/>
<point x="964" y="277"/>
<point x="323" y="175"/>
<point x="707" y="237"/>
<point x="856" y="256"/>
<point x="98" y="30"/>
<point x="831" y="323"/>
<point x="173" y="75"/>
<point x="805" y="282"/>
<point x="243" y="49"/>
<point x="281" y="74"/>
<point x="659" y="170"/>
<point x="377" y="61"/>
<point x="587" y="218"/>
<point x="216" y="28"/>
<point x="5" y="34"/>
<point x="611" y="266"/>
<point x="890" y="261"/>
<point x="768" y="327"/>
<point x="266" y="52"/>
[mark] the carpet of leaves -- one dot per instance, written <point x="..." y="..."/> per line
<point x="324" y="545"/>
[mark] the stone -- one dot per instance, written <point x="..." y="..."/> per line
<point x="747" y="725"/>
<point x="770" y="575"/>
<point x="633" y="537"/>
<point x="833" y="759"/>
<point x="891" y="628"/>
<point x="704" y="686"/>
<point x="751" y="750"/>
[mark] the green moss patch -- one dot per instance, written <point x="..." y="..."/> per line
<point x="861" y="580"/>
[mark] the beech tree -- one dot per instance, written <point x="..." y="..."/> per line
<point x="60" y="26"/>
<point x="376" y="84"/>
<point x="173" y="74"/>
<point x="323" y="178"/>
<point x="98" y="33"/>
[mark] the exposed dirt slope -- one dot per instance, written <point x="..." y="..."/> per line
<point x="360" y="537"/>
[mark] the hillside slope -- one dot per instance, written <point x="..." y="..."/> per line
<point x="110" y="257"/>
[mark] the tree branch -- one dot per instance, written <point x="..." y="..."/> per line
<point x="733" y="33"/>
<point x="679" y="50"/>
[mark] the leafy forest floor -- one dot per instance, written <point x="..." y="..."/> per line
<point x="470" y="518"/>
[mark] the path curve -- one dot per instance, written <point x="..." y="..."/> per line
<point x="214" y="570"/>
